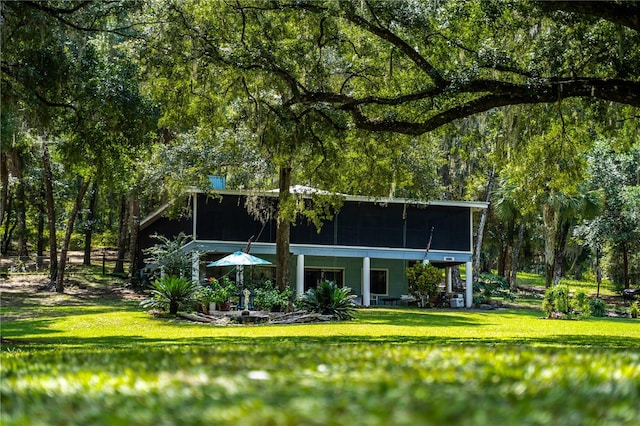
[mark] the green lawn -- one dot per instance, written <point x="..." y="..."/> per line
<point x="86" y="360"/>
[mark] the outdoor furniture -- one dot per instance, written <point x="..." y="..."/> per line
<point x="389" y="300"/>
<point x="630" y="293"/>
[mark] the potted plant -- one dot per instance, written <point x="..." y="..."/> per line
<point x="222" y="292"/>
<point x="205" y="299"/>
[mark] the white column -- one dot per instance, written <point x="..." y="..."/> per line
<point x="195" y="217"/>
<point x="366" y="281"/>
<point x="448" y="274"/>
<point x="300" y="274"/>
<point x="195" y="266"/>
<point x="469" y="285"/>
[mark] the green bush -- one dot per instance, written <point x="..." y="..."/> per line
<point x="167" y="256"/>
<point x="328" y="299"/>
<point x="634" y="310"/>
<point x="269" y="298"/>
<point x="580" y="303"/>
<point x="424" y="280"/>
<point x="222" y="291"/>
<point x="171" y="292"/>
<point x="556" y="301"/>
<point x="489" y="286"/>
<point x="598" y="307"/>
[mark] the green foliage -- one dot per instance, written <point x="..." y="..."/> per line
<point x="489" y="286"/>
<point x="581" y="304"/>
<point x="168" y="256"/>
<point x="268" y="298"/>
<point x="634" y="310"/>
<point x="559" y="303"/>
<point x="424" y="280"/>
<point x="203" y="297"/>
<point x="598" y="307"/>
<point x="83" y="363"/>
<point x="329" y="299"/>
<point x="221" y="291"/>
<point x="556" y="301"/>
<point x="171" y="292"/>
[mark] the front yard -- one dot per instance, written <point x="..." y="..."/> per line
<point x="100" y="359"/>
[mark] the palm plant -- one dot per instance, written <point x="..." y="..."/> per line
<point x="329" y="299"/>
<point x="172" y="292"/>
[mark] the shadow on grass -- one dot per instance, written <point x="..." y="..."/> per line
<point x="242" y="344"/>
<point x="123" y="342"/>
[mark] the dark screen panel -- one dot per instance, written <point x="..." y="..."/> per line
<point x="451" y="228"/>
<point x="227" y="219"/>
<point x="357" y="224"/>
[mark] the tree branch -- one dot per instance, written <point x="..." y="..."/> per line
<point x="621" y="91"/>
<point x="411" y="53"/>
<point x="624" y="13"/>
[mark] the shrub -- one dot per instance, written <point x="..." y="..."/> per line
<point x="556" y="301"/>
<point x="167" y="255"/>
<point x="581" y="304"/>
<point x="268" y="298"/>
<point x="424" y="280"/>
<point x="328" y="299"/>
<point x="598" y="307"/>
<point x="634" y="310"/>
<point x="170" y="292"/>
<point x="491" y="285"/>
<point x="203" y="296"/>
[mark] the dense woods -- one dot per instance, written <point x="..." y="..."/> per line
<point x="110" y="109"/>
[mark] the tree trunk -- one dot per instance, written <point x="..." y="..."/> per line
<point x="559" y="250"/>
<point x="625" y="264"/>
<point x="283" y="230"/>
<point x="93" y="198"/>
<point x="21" y="220"/>
<point x="515" y="256"/>
<point x="40" y="237"/>
<point x="15" y="165"/>
<point x="8" y="228"/>
<point x="123" y="233"/>
<point x="133" y="241"/>
<point x="67" y="238"/>
<point x="483" y="220"/>
<point x="51" y="214"/>
<point x="4" y="185"/>
<point x="549" y="219"/>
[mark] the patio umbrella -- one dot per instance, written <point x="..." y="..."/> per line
<point x="239" y="258"/>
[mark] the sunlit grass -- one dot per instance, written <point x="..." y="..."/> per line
<point x="123" y="327"/>
<point x="104" y="361"/>
<point x="591" y="287"/>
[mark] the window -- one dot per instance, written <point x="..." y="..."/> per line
<point x="379" y="281"/>
<point x="313" y="277"/>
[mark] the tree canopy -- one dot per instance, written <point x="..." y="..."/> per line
<point x="425" y="99"/>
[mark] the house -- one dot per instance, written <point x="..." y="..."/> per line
<point x="367" y="246"/>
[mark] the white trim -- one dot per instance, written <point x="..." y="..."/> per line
<point x="300" y="274"/>
<point x="469" y="284"/>
<point x="358" y="198"/>
<point x="338" y="251"/>
<point x="195" y="217"/>
<point x="366" y="281"/>
<point x="153" y="216"/>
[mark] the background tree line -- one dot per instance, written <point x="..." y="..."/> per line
<point x="111" y="108"/>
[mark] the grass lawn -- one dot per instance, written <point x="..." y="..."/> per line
<point x="93" y="358"/>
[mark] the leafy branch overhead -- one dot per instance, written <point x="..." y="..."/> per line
<point x="411" y="67"/>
